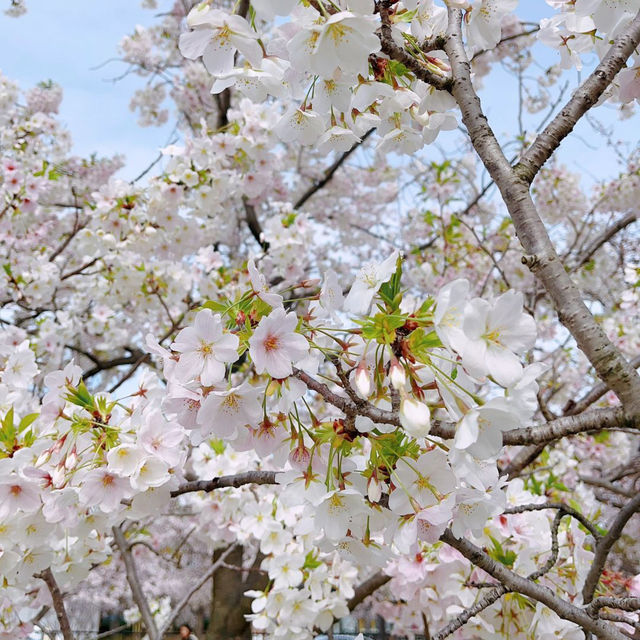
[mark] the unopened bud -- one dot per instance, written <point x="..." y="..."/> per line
<point x="415" y="417"/>
<point x="58" y="477"/>
<point x="43" y="458"/>
<point x="397" y="375"/>
<point x="374" y="489"/>
<point x="363" y="380"/>
<point x="71" y="460"/>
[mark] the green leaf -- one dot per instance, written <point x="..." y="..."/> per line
<point x="8" y="433"/>
<point x="311" y="561"/>
<point x="382" y="327"/>
<point x="27" y="421"/>
<point x="421" y="343"/>
<point x="390" y="290"/>
<point x="81" y="397"/>
<point x="506" y="557"/>
<point x="217" y="445"/>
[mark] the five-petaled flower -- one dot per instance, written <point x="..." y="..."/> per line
<point x="205" y="349"/>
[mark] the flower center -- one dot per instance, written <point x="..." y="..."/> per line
<point x="271" y="343"/>
<point x="231" y="402"/>
<point x="205" y="349"/>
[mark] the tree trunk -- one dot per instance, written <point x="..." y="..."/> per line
<point x="228" y="603"/>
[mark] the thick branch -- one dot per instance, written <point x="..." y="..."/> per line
<point x="419" y="69"/>
<point x="58" y="603"/>
<point x="238" y="480"/>
<point x="134" y="583"/>
<point x="254" y="225"/>
<point x="604" y="547"/>
<point x="582" y="100"/>
<point x="135" y="357"/>
<point x="223" y="99"/>
<point x="515" y="582"/>
<point x="366" y="588"/>
<point x="595" y="420"/>
<point x="542" y="259"/>
<point x="523" y="459"/>
<point x="625" y="604"/>
<point x="528" y="454"/>
<point x="609" y="486"/>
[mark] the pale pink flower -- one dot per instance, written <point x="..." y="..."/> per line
<point x="222" y="412"/>
<point x="160" y="438"/>
<point x="275" y="345"/>
<point x="104" y="489"/>
<point x="17" y="494"/>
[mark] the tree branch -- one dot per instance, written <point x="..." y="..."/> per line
<point x="625" y="604"/>
<point x="58" y="603"/>
<point x="604" y="237"/>
<point x="419" y="69"/>
<point x="593" y="395"/>
<point x="582" y="100"/>
<point x="564" y="508"/>
<point x="366" y="588"/>
<point x="604" y="547"/>
<point x="254" y="225"/>
<point x="238" y="480"/>
<point x="462" y="619"/>
<point x="527" y="587"/>
<point x="134" y="584"/>
<point x="328" y="174"/>
<point x="595" y="420"/>
<point x="136" y="356"/>
<point x="542" y="258"/>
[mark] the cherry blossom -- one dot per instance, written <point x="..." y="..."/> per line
<point x="275" y="346"/>
<point x="205" y="349"/>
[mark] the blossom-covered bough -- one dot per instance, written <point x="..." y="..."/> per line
<point x="310" y="361"/>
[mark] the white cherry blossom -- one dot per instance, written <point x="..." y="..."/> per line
<point x="204" y="349"/>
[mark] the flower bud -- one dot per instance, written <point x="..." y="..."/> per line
<point x="363" y="380"/>
<point x="374" y="489"/>
<point x="58" y="477"/>
<point x="72" y="459"/>
<point x="397" y="375"/>
<point x="43" y="458"/>
<point x="415" y="417"/>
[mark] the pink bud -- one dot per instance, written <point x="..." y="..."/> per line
<point x="44" y="457"/>
<point x="58" y="444"/>
<point x="71" y="459"/>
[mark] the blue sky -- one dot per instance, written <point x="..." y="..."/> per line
<point x="65" y="40"/>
